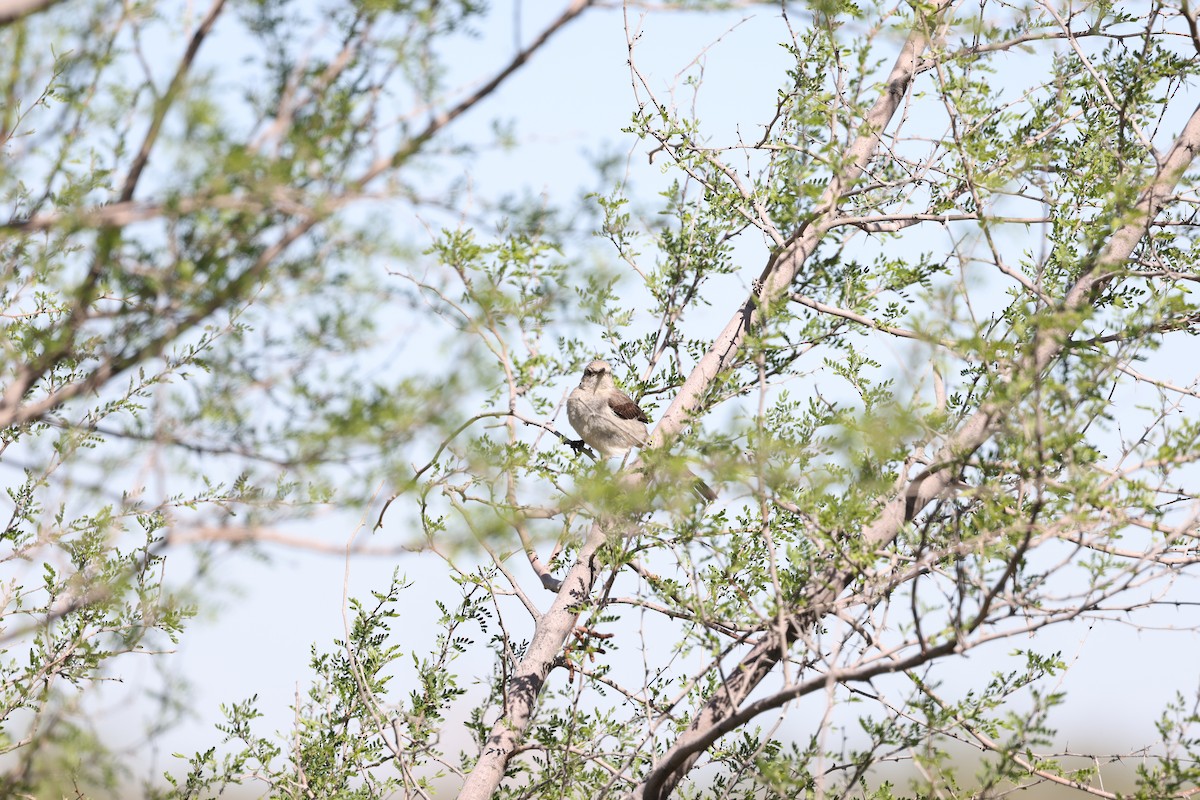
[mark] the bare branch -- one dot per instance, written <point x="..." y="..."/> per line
<point x="258" y="535"/>
<point x="526" y="681"/>
<point x="167" y="99"/>
<point x="15" y="10"/>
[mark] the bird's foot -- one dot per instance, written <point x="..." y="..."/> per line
<point x="579" y="446"/>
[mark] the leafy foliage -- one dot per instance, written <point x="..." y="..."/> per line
<point x="949" y="414"/>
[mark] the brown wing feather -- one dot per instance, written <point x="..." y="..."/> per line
<point x="624" y="407"/>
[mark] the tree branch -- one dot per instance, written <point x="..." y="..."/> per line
<point x="776" y="278"/>
<point x="526" y="681"/>
<point x="16" y="10"/>
<point x="167" y="99"/>
<point x="11" y="410"/>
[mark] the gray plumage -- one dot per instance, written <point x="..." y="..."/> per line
<point x="611" y="421"/>
<point x="605" y="417"/>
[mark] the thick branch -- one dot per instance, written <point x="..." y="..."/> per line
<point x="122" y="214"/>
<point x="530" y="675"/>
<point x="242" y="535"/>
<point x="776" y="278"/>
<point x="16" y="10"/>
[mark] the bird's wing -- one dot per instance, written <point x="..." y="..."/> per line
<point x="624" y="407"/>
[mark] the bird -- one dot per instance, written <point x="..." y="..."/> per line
<point x="609" y="420"/>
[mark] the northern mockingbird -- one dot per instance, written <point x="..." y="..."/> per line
<point x="610" y="420"/>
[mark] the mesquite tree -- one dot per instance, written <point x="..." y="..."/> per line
<point x="923" y="322"/>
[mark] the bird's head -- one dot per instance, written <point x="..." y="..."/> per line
<point x="595" y="374"/>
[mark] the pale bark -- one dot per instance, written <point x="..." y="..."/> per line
<point x="774" y="284"/>
<point x="530" y="675"/>
<point x="15" y="10"/>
